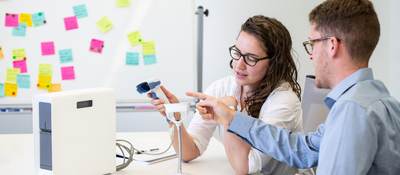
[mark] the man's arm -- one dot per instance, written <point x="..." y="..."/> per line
<point x="295" y="149"/>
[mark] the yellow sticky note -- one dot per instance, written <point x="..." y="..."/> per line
<point x="55" y="88"/>
<point x="104" y="24"/>
<point x="10" y="89"/>
<point x="12" y="75"/>
<point x="1" y="53"/>
<point x="149" y="48"/>
<point x="26" y="18"/>
<point x="135" y="38"/>
<point x="45" y="69"/>
<point x="123" y="3"/>
<point x="44" y="82"/>
<point x="18" y="54"/>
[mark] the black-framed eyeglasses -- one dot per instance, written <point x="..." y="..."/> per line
<point x="249" y="59"/>
<point x="309" y="45"/>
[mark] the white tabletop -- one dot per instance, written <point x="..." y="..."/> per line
<point x="16" y="156"/>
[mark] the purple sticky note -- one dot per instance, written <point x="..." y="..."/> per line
<point x="11" y="20"/>
<point x="67" y="73"/>
<point x="48" y="48"/>
<point x="21" y="64"/>
<point x="71" y="23"/>
<point x="96" y="45"/>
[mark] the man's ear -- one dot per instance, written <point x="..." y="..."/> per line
<point x="333" y="49"/>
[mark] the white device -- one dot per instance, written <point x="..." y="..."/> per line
<point x="75" y="132"/>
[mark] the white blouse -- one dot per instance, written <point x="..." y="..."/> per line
<point x="282" y="108"/>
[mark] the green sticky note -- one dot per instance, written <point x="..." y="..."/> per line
<point x="20" y="30"/>
<point x="104" y="24"/>
<point x="123" y="3"/>
<point x="24" y="81"/>
<point x="65" y="55"/>
<point x="45" y="70"/>
<point x="38" y="19"/>
<point x="1" y="90"/>
<point x="132" y="58"/>
<point x="149" y="59"/>
<point x="18" y="54"/>
<point x="80" y="11"/>
<point x="149" y="48"/>
<point x="12" y="75"/>
<point x="134" y="38"/>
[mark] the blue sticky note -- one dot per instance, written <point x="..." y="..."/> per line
<point x="80" y="11"/>
<point x="23" y="81"/>
<point x="132" y="58"/>
<point x="1" y="90"/>
<point x="149" y="59"/>
<point x="38" y="19"/>
<point x="20" y="30"/>
<point x="65" y="55"/>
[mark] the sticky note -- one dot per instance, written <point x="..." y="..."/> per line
<point x="11" y="76"/>
<point x="44" y="82"/>
<point x="55" y="88"/>
<point x="21" y="65"/>
<point x="1" y="90"/>
<point x="47" y="48"/>
<point x="123" y="3"/>
<point x="67" y="73"/>
<point x="132" y="58"/>
<point x="71" y="23"/>
<point x="149" y="48"/>
<point x="25" y="18"/>
<point x="24" y="81"/>
<point x="11" y="89"/>
<point x="96" y="45"/>
<point x="19" y="54"/>
<point x="45" y="69"/>
<point x="1" y="53"/>
<point x="80" y="11"/>
<point x="20" y="30"/>
<point x="149" y="59"/>
<point x="11" y="20"/>
<point x="104" y="24"/>
<point x="38" y="19"/>
<point x="65" y="55"/>
<point x="134" y="38"/>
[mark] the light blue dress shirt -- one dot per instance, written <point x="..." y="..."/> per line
<point x="360" y="136"/>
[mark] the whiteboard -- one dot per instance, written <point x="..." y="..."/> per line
<point x="170" y="24"/>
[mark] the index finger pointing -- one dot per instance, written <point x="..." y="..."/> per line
<point x="198" y="95"/>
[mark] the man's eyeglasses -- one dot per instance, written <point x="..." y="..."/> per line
<point x="309" y="45"/>
<point x="249" y="59"/>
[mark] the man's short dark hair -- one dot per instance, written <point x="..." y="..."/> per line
<point x="354" y="22"/>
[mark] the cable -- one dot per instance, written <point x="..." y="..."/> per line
<point x="126" y="147"/>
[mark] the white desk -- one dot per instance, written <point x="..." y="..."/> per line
<point x="16" y="156"/>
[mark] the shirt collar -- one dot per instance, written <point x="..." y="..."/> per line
<point x="360" y="75"/>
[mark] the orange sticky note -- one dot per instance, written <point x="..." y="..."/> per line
<point x="55" y="88"/>
<point x="1" y="53"/>
<point x="10" y="89"/>
<point x="44" y="82"/>
<point x="25" y="18"/>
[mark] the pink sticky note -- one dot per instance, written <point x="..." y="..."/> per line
<point x="96" y="45"/>
<point x="48" y="48"/>
<point x="21" y="64"/>
<point x="11" y="20"/>
<point x="67" y="73"/>
<point x="71" y="23"/>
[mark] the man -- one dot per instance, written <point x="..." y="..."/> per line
<point x="362" y="132"/>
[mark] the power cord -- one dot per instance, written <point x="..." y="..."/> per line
<point x="126" y="147"/>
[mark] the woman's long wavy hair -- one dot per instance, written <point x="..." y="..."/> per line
<point x="277" y="43"/>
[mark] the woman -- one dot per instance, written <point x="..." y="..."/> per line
<point x="264" y="84"/>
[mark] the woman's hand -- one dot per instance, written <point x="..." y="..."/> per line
<point x="159" y="103"/>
